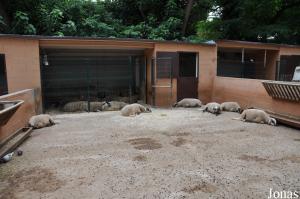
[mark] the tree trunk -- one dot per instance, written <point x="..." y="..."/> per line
<point x="4" y="14"/>
<point x="188" y="10"/>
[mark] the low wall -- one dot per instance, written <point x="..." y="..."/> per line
<point x="23" y="113"/>
<point x="251" y="93"/>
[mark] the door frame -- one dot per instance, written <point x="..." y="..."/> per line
<point x="196" y="72"/>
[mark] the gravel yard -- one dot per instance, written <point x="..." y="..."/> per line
<point x="179" y="153"/>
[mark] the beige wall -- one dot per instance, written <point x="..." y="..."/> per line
<point x="272" y="58"/>
<point x="22" y="115"/>
<point x="289" y="51"/>
<point x="22" y="63"/>
<point x="251" y="93"/>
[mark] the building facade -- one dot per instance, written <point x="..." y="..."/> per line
<point x="63" y="69"/>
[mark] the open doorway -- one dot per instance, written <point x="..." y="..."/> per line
<point x="187" y="81"/>
<point x="92" y="75"/>
<point x="3" y="79"/>
<point x="288" y="64"/>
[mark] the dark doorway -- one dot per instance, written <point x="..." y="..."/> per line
<point x="288" y="64"/>
<point x="187" y="81"/>
<point x="3" y="80"/>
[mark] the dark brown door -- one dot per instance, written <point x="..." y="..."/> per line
<point x="187" y="81"/>
<point x="3" y="80"/>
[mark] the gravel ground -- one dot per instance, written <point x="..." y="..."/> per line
<point x="179" y="153"/>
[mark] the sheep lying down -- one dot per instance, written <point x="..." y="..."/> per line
<point x="80" y="106"/>
<point x="213" y="107"/>
<point x="134" y="109"/>
<point x="113" y="106"/>
<point x="41" y="121"/>
<point x="231" y="107"/>
<point x="188" y="103"/>
<point x="257" y="116"/>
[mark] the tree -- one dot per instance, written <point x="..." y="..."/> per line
<point x="187" y="15"/>
<point x="255" y="20"/>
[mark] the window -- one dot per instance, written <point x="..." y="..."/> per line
<point x="3" y="80"/>
<point x="165" y="64"/>
<point x="245" y="63"/>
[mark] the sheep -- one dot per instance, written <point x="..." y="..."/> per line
<point x="79" y="106"/>
<point x="40" y="121"/>
<point x="134" y="109"/>
<point x="231" y="107"/>
<point x="113" y="106"/>
<point x="188" y="102"/>
<point x="132" y="99"/>
<point x="257" y="116"/>
<point x="96" y="106"/>
<point x="76" y="106"/>
<point x="213" y="107"/>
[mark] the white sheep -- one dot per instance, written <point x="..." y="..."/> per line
<point x="257" y="116"/>
<point x="96" y="106"/>
<point x="188" y="102"/>
<point x="212" y="107"/>
<point x="76" y="106"/>
<point x="40" y="121"/>
<point x="134" y="109"/>
<point x="80" y="106"/>
<point x="113" y="106"/>
<point x="231" y="107"/>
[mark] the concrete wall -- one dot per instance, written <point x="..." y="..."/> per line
<point x="251" y="93"/>
<point x="22" y="115"/>
<point x="22" y="65"/>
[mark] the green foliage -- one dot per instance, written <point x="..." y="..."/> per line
<point x="253" y="20"/>
<point x="21" y="24"/>
<point x="2" y="24"/>
<point x="209" y="30"/>
<point x="167" y="30"/>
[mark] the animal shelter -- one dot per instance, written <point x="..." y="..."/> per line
<point x="159" y="73"/>
<point x="92" y="75"/>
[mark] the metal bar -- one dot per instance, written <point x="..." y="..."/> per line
<point x="243" y="55"/>
<point x="265" y="58"/>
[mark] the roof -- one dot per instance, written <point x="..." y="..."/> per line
<point x="43" y="37"/>
<point x="208" y="43"/>
<point x="248" y="43"/>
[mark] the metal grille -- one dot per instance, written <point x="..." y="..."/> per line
<point x="161" y="79"/>
<point x="91" y="77"/>
<point x="283" y="90"/>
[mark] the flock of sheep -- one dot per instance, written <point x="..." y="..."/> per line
<point x="248" y="115"/>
